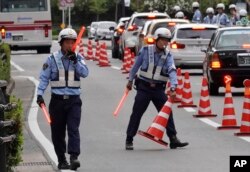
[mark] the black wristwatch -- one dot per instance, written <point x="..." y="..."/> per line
<point x="172" y="89"/>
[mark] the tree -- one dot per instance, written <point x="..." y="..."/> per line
<point x="98" y="7"/>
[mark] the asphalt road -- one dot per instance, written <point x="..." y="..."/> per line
<point x="103" y="136"/>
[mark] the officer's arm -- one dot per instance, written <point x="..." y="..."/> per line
<point x="45" y="76"/>
<point x="171" y="71"/>
<point x="81" y="67"/>
<point x="137" y="65"/>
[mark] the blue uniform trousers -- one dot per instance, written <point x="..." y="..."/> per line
<point x="65" y="114"/>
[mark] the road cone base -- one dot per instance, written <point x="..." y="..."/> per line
<point x="242" y="134"/>
<point x="125" y="72"/>
<point x="228" y="127"/>
<point x="182" y="106"/>
<point x="204" y="115"/>
<point x="177" y="101"/>
<point x="153" y="138"/>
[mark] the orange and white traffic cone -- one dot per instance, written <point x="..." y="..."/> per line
<point x="97" y="51"/>
<point x="89" y="51"/>
<point x="104" y="62"/>
<point x="132" y="59"/>
<point x="81" y="48"/>
<point x="204" y="106"/>
<point x="156" y="131"/>
<point x="187" y="97"/>
<point x="229" y="119"/>
<point x="129" y="62"/>
<point x="245" y="121"/>
<point x="179" y="86"/>
<point x="125" y="60"/>
<point x="168" y="85"/>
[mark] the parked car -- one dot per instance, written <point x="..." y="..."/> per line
<point x="92" y="30"/>
<point x="187" y="42"/>
<point x="228" y="53"/>
<point x="103" y="30"/>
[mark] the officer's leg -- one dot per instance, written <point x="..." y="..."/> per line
<point x="58" y="127"/>
<point x="73" y="122"/>
<point x="142" y="100"/>
<point x="159" y="100"/>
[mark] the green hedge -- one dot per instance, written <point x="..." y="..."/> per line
<point x="14" y="149"/>
<point x="5" y="62"/>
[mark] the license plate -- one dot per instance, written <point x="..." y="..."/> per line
<point x="244" y="60"/>
<point x="17" y="38"/>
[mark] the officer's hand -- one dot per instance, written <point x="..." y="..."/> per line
<point x="172" y="95"/>
<point x="72" y="56"/>
<point x="40" y="100"/>
<point x="129" y="85"/>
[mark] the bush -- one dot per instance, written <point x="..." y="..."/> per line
<point x="4" y="62"/>
<point x="14" y="149"/>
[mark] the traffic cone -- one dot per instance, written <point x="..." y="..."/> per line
<point x="90" y="51"/>
<point x="97" y="51"/>
<point x="132" y="59"/>
<point x="129" y="62"/>
<point x="81" y="48"/>
<point x="104" y="62"/>
<point x="187" y="98"/>
<point x="245" y="121"/>
<point x="156" y="131"/>
<point x="229" y="119"/>
<point x="167" y="91"/>
<point x="125" y="59"/>
<point x="179" y="86"/>
<point x="204" y="106"/>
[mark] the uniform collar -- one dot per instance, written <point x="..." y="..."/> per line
<point x="61" y="54"/>
<point x="155" y="51"/>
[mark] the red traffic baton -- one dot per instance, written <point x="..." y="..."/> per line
<point x="46" y="113"/>
<point x="79" y="37"/>
<point x="118" y="108"/>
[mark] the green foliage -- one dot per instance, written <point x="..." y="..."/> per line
<point x="98" y="7"/>
<point x="4" y="62"/>
<point x="14" y="149"/>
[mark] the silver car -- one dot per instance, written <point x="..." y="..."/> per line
<point x="103" y="30"/>
<point x="92" y="29"/>
<point x="187" y="42"/>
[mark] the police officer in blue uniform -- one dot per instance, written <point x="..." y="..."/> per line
<point x="155" y="65"/>
<point x="63" y="70"/>
<point x="222" y="19"/>
<point x="197" y="17"/>
<point x="210" y="18"/>
<point x="234" y="15"/>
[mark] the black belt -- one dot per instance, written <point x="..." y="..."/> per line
<point x="152" y="85"/>
<point x="64" y="97"/>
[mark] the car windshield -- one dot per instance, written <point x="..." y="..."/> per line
<point x="233" y="39"/>
<point x="140" y="21"/>
<point x="106" y="25"/>
<point x="189" y="33"/>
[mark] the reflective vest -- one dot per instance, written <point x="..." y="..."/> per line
<point x="154" y="72"/>
<point x="65" y="77"/>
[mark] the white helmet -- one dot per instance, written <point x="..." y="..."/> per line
<point x="243" y="13"/>
<point x="232" y="6"/>
<point x="179" y="15"/>
<point x="195" y="5"/>
<point x="67" y="33"/>
<point x="162" y="33"/>
<point x="220" y="5"/>
<point x="210" y="10"/>
<point x="176" y="8"/>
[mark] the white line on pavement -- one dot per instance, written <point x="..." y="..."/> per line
<point x="116" y="68"/>
<point x="19" y="68"/>
<point x="188" y="109"/>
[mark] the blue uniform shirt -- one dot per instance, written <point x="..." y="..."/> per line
<point x="209" y="20"/>
<point x="234" y="19"/>
<point x="197" y="16"/>
<point x="50" y="71"/>
<point x="142" y="61"/>
<point x="222" y="20"/>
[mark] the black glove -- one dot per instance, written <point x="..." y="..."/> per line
<point x="40" y="100"/>
<point x="72" y="56"/>
<point x="129" y="85"/>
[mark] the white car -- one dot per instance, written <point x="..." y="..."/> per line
<point x="92" y="29"/>
<point x="103" y="30"/>
<point x="187" y="42"/>
<point x="129" y="37"/>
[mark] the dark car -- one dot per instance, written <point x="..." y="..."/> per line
<point x="228" y="53"/>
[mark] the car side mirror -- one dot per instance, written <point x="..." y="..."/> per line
<point x="141" y="35"/>
<point x="204" y="50"/>
<point x="112" y="28"/>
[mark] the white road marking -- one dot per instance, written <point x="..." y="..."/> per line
<point x="116" y="68"/>
<point x="188" y="109"/>
<point x="19" y="68"/>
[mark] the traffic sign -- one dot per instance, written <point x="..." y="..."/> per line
<point x="62" y="4"/>
<point x="227" y="79"/>
<point x="70" y="3"/>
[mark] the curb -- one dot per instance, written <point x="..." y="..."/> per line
<point x="10" y="87"/>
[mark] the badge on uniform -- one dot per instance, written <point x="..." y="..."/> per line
<point x="45" y="66"/>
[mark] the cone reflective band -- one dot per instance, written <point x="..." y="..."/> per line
<point x="79" y="37"/>
<point x="117" y="110"/>
<point x="45" y="112"/>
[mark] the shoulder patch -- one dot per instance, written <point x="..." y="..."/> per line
<point x="45" y="66"/>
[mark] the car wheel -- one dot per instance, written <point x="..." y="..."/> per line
<point x="213" y="89"/>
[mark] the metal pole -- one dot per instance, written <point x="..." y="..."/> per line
<point x="2" y="146"/>
<point x="70" y="18"/>
<point x="116" y="10"/>
<point x="63" y="17"/>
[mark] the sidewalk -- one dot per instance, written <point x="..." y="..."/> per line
<point x="33" y="157"/>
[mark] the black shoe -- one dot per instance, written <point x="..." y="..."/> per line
<point x="175" y="143"/>
<point x="74" y="163"/>
<point x="63" y="165"/>
<point x="129" y="145"/>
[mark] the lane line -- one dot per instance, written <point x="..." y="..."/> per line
<point x="189" y="109"/>
<point x="116" y="68"/>
<point x="19" y="68"/>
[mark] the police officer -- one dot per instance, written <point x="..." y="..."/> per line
<point x="243" y="13"/>
<point x="197" y="17"/>
<point x="155" y="64"/>
<point x="234" y="15"/>
<point x="179" y="15"/>
<point x="63" y="70"/>
<point x="210" y="18"/>
<point x="221" y="18"/>
<point x="176" y="9"/>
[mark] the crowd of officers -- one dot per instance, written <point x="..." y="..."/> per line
<point x="221" y="18"/>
